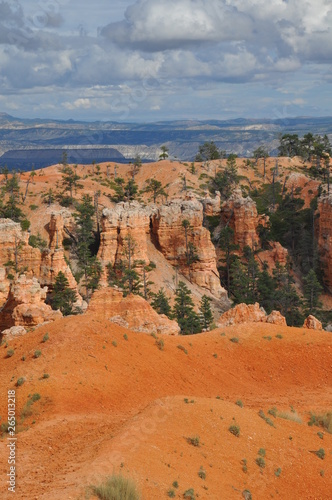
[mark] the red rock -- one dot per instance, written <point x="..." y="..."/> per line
<point x="242" y="313"/>
<point x="312" y="323"/>
<point x="276" y="318"/>
<point x="241" y="215"/>
<point x="131" y="312"/>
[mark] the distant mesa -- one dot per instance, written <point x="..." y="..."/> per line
<point x="24" y="159"/>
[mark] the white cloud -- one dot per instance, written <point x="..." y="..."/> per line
<point x="78" y="103"/>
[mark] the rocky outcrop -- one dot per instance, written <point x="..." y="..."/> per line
<point x="250" y="313"/>
<point x="13" y="332"/>
<point x="125" y="220"/>
<point x="241" y="215"/>
<point x="163" y="226"/>
<point x="132" y="312"/>
<point x="26" y="306"/>
<point x="212" y="206"/>
<point x="276" y="254"/>
<point x="312" y="323"/>
<point x="170" y="238"/>
<point x="43" y="265"/>
<point x="325" y="237"/>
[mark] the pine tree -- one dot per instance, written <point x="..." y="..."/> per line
<point x="206" y="315"/>
<point x="312" y="290"/>
<point x="63" y="296"/>
<point x="156" y="188"/>
<point x="183" y="311"/>
<point x="160" y="303"/>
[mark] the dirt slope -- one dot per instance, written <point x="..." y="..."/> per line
<point x="115" y="403"/>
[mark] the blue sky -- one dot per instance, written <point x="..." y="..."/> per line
<point x="150" y="60"/>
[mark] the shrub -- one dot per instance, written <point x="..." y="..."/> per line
<point x="320" y="435"/>
<point x="202" y="473"/>
<point x="37" y="354"/>
<point x="293" y="416"/>
<point x="235" y="340"/>
<point x="20" y="381"/>
<point x="10" y="353"/>
<point x="194" y="440"/>
<point x="273" y="412"/>
<point x="35" y="397"/>
<point x="320" y="453"/>
<point x="239" y="403"/>
<point x="46" y="375"/>
<point x="182" y="349"/>
<point x="175" y="484"/>
<point x="114" y="343"/>
<point x="235" y="430"/>
<point x="171" y="493"/>
<point x="160" y="344"/>
<point x="189" y="494"/>
<point x="267" y="419"/>
<point x="324" y="421"/>
<point x="45" y="338"/>
<point x="277" y="472"/>
<point x="260" y="462"/>
<point x="125" y="336"/>
<point x="244" y="465"/>
<point x="279" y="336"/>
<point x="261" y="452"/>
<point x="116" y="487"/>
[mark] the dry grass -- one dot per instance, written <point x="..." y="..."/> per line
<point x="290" y="415"/>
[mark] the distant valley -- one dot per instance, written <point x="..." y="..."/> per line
<point x="33" y="142"/>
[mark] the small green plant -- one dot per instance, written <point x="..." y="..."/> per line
<point x="125" y="336"/>
<point x="189" y="494"/>
<point x="277" y="472"/>
<point x="244" y="465"/>
<point x="322" y="473"/>
<point x="239" y="403"/>
<point x="20" y="381"/>
<point x="324" y="421"/>
<point x="154" y="335"/>
<point x="273" y="412"/>
<point x="182" y="349"/>
<point x="267" y="337"/>
<point x="215" y="355"/>
<point x="10" y="353"/>
<point x="23" y="358"/>
<point x="27" y="408"/>
<point x="114" y="343"/>
<point x="267" y="419"/>
<point x="320" y="435"/>
<point x="116" y="487"/>
<point x="260" y="462"/>
<point x="171" y="493"/>
<point x="320" y="453"/>
<point x="186" y="400"/>
<point x="195" y="440"/>
<point x="202" y="473"/>
<point x="160" y="344"/>
<point x="279" y="336"/>
<point x="175" y="484"/>
<point x="45" y="338"/>
<point x="46" y="375"/>
<point x="37" y="354"/>
<point x="261" y="452"/>
<point x="235" y="340"/>
<point x="35" y="397"/>
<point x="235" y="430"/>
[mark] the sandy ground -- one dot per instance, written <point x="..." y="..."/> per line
<point x="112" y="404"/>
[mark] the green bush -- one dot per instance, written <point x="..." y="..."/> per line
<point x="235" y="340"/>
<point x="260" y="462"/>
<point x="46" y="337"/>
<point x="235" y="430"/>
<point x="37" y="354"/>
<point x="20" y="381"/>
<point x="194" y="440"/>
<point x="10" y="353"/>
<point x="116" y="487"/>
<point x="189" y="494"/>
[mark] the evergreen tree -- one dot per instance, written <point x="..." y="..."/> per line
<point x="312" y="290"/>
<point x="226" y="243"/>
<point x="191" y="250"/>
<point x="225" y="181"/>
<point x="156" y="188"/>
<point x="164" y="153"/>
<point x="160" y="303"/>
<point x="184" y="312"/>
<point x="63" y="296"/>
<point x="70" y="181"/>
<point x="208" y="151"/>
<point x="206" y="315"/>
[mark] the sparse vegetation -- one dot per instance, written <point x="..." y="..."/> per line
<point x="277" y="472"/>
<point x="260" y="462"/>
<point x="324" y="421"/>
<point x="202" y="473"/>
<point x="195" y="440"/>
<point x="160" y="344"/>
<point x="116" y="487"/>
<point x="267" y="419"/>
<point x="37" y="354"/>
<point x="239" y="403"/>
<point x="10" y="353"/>
<point x="235" y="430"/>
<point x="45" y="338"/>
<point x="20" y="381"/>
<point x="190" y="494"/>
<point x="235" y="340"/>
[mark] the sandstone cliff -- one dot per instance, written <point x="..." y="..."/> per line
<point x="325" y="237"/>
<point x="163" y="226"/>
<point x="241" y="215"/>
<point x="25" y="305"/>
<point x="250" y="313"/>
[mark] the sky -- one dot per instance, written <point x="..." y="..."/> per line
<point x="153" y="60"/>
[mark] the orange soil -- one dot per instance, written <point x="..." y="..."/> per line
<point x="112" y="405"/>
